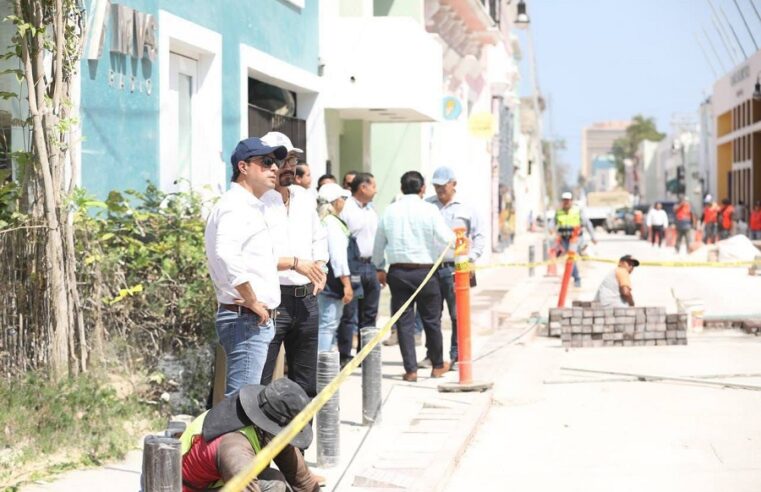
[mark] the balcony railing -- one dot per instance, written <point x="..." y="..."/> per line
<point x="261" y="121"/>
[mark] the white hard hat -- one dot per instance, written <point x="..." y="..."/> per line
<point x="567" y="196"/>
<point x="277" y="139"/>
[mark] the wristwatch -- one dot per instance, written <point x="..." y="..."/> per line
<point x="324" y="268"/>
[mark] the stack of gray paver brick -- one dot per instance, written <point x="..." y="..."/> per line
<point x="586" y="324"/>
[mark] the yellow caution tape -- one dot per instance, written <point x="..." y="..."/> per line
<point x="280" y="441"/>
<point x="675" y="264"/>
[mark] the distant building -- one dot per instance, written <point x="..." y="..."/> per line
<point x="603" y="173"/>
<point x="596" y="140"/>
<point x="738" y="133"/>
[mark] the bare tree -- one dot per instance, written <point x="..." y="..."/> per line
<point x="48" y="43"/>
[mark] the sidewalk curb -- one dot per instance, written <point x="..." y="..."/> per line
<point x="445" y="461"/>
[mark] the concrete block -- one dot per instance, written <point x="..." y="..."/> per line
<point x="576" y="320"/>
<point x="586" y="343"/>
<point x="587" y="321"/>
<point x="651" y="311"/>
<point x="671" y="335"/>
<point x="640" y="318"/>
<point x="618" y="343"/>
<point x="586" y="329"/>
<point x="618" y="336"/>
<point x="682" y="341"/>
<point x="660" y="327"/>
<point x="607" y="343"/>
<point x="628" y="343"/>
<point x="565" y="337"/>
<point x="651" y="335"/>
<point x="660" y="342"/>
<point x="620" y="311"/>
<point x="650" y="343"/>
<point x="599" y="321"/>
<point x="681" y="335"/>
<point x="566" y="313"/>
<point x="639" y="335"/>
<point x="588" y="313"/>
<point x="597" y="336"/>
<point x="619" y="328"/>
<point x="576" y="337"/>
<point x="598" y="328"/>
<point x="672" y="342"/>
<point x="651" y="326"/>
<point x="598" y="343"/>
<point x="555" y="314"/>
<point x="576" y="344"/>
<point x="639" y="327"/>
<point x="672" y="318"/>
<point x="608" y="336"/>
<point x="683" y="317"/>
<point x="608" y="329"/>
<point x="578" y="312"/>
<point x="555" y="325"/>
<point x="599" y="313"/>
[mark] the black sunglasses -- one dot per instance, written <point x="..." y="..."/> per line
<point x="266" y="161"/>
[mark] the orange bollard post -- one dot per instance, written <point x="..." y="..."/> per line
<point x="462" y="299"/>
<point x="570" y="259"/>
<point x="552" y="267"/>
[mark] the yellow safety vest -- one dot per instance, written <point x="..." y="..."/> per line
<point x="196" y="427"/>
<point x="567" y="221"/>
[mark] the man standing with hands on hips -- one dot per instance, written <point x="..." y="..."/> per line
<point x="456" y="214"/>
<point x="301" y="245"/>
<point x="242" y="264"/>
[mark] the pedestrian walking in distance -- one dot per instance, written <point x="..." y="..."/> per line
<point x="412" y="234"/>
<point x="727" y="218"/>
<point x="302" y="250"/>
<point x="710" y="220"/>
<point x="658" y="221"/>
<point x="684" y="218"/>
<point x="242" y="264"/>
<point x="616" y="288"/>
<point x="344" y="254"/>
<point x="755" y="221"/>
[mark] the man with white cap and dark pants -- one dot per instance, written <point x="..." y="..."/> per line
<point x="301" y="245"/>
<point x="456" y="214"/>
<point x="570" y="218"/>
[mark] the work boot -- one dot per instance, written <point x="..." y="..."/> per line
<point x="438" y="372"/>
<point x="425" y="363"/>
<point x="392" y="339"/>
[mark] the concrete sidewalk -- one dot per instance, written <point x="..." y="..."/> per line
<point x="423" y="432"/>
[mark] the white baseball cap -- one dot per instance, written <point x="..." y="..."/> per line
<point x="331" y="192"/>
<point x="565" y="196"/>
<point x="277" y="139"/>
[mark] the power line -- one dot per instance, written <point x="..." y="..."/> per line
<point x="708" y="60"/>
<point x="755" y="10"/>
<point x="723" y="36"/>
<point x="742" y="16"/>
<point x="713" y="48"/>
<point x="734" y="33"/>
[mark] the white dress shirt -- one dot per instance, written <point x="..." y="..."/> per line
<point x="457" y="214"/>
<point x="411" y="231"/>
<point x="296" y="230"/>
<point x="656" y="218"/>
<point x="363" y="224"/>
<point x="338" y="246"/>
<point x="239" y="248"/>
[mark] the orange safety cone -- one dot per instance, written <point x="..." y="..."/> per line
<point x="462" y="299"/>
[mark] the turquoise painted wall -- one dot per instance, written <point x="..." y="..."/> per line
<point x="120" y="147"/>
<point x="395" y="148"/>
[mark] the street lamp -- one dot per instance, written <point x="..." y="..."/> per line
<point x="522" y="18"/>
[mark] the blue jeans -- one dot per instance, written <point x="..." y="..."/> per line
<point x="246" y="344"/>
<point x="566" y="242"/>
<point x="359" y="313"/>
<point x="331" y="310"/>
<point x="755" y="235"/>
<point x="446" y="286"/>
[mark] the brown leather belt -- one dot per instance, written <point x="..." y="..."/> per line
<point x="235" y="308"/>
<point x="412" y="266"/>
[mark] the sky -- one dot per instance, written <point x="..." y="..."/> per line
<point x="601" y="60"/>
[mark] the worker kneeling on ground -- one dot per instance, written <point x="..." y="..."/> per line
<point x="223" y="441"/>
<point x="616" y="289"/>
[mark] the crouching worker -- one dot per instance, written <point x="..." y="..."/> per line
<point x="616" y="288"/>
<point x="223" y="441"/>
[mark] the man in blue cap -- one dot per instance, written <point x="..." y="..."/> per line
<point x="243" y="267"/>
<point x="456" y="214"/>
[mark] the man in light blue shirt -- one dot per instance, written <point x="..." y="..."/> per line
<point x="413" y="233"/>
<point x="456" y="214"/>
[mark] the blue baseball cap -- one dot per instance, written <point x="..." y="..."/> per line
<point x="443" y="175"/>
<point x="252" y="147"/>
